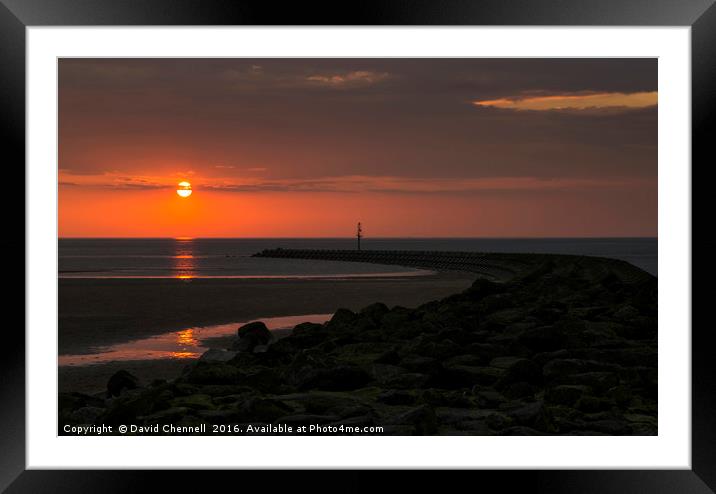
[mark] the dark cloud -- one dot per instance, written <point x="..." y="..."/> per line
<point x="411" y="118"/>
<point x="399" y="185"/>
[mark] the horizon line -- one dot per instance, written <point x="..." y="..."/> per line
<point x="187" y="237"/>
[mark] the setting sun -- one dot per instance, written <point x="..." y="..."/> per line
<point x="184" y="189"/>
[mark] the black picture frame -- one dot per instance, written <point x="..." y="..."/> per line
<point x="700" y="15"/>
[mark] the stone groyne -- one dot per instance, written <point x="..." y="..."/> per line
<point x="490" y="265"/>
<point x="494" y="266"/>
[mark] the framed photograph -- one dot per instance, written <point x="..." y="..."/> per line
<point x="436" y="235"/>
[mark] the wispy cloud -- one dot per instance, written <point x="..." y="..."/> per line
<point x="79" y="171"/>
<point x="348" y="79"/>
<point x="351" y="184"/>
<point x="410" y="185"/>
<point x="584" y="101"/>
<point x="255" y="78"/>
<point x="114" y="180"/>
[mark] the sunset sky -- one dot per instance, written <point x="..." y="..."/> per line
<point x="309" y="147"/>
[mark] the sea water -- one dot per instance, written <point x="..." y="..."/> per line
<point x="231" y="258"/>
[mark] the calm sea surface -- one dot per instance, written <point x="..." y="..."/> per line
<point x="230" y="258"/>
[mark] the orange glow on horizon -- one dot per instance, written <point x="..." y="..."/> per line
<point x="154" y="213"/>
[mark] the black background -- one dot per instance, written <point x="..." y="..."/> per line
<point x="15" y="15"/>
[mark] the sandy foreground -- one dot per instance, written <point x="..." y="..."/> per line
<point x="100" y="312"/>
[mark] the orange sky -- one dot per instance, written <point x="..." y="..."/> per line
<point x="161" y="213"/>
<point x="307" y="148"/>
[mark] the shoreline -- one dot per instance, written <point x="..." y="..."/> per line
<point x="308" y="277"/>
<point x="103" y="312"/>
<point x="92" y="378"/>
<point x="186" y="344"/>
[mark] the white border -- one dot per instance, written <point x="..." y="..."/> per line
<point x="671" y="449"/>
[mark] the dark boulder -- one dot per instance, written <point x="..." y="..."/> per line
<point x="166" y="416"/>
<point x="533" y="415"/>
<point x="126" y="408"/>
<point x="543" y="339"/>
<point x="488" y="398"/>
<point x="482" y="287"/>
<point x="324" y="403"/>
<point x="436" y="349"/>
<point x="466" y="359"/>
<point x="519" y="390"/>
<point x="520" y="430"/>
<point x="598" y="381"/>
<point x="304" y="419"/>
<point x="407" y="380"/>
<point x="87" y="415"/>
<point x="263" y="379"/>
<point x="341" y="319"/>
<point x="306" y="328"/>
<point x="217" y="355"/>
<point x="340" y="378"/>
<point x="498" y="421"/>
<point x="418" y="363"/>
<point x="561" y="368"/>
<point x="309" y="331"/>
<point x="72" y="401"/>
<point x="396" y="318"/>
<point x="193" y="402"/>
<point x="520" y="370"/>
<point x="549" y="313"/>
<point x="459" y="336"/>
<point x="304" y="335"/>
<point x="261" y="410"/>
<point x="485" y="351"/>
<point x="593" y="404"/>
<point x="390" y="357"/>
<point x="421" y="420"/>
<point x="566" y="395"/>
<point x="621" y="395"/>
<point x="385" y="372"/>
<point x="464" y="376"/>
<point x="397" y="397"/>
<point x="626" y="313"/>
<point x="120" y="381"/>
<point x="610" y="427"/>
<point x="495" y="302"/>
<point x="252" y="335"/>
<point x="375" y="311"/>
<point x="214" y="373"/>
<point x="256" y="328"/>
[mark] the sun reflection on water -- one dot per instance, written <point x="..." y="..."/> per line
<point x="184" y="260"/>
<point x="184" y="355"/>
<point x="184" y="339"/>
<point x="185" y="344"/>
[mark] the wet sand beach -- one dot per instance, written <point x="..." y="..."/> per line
<point x="100" y="312"/>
